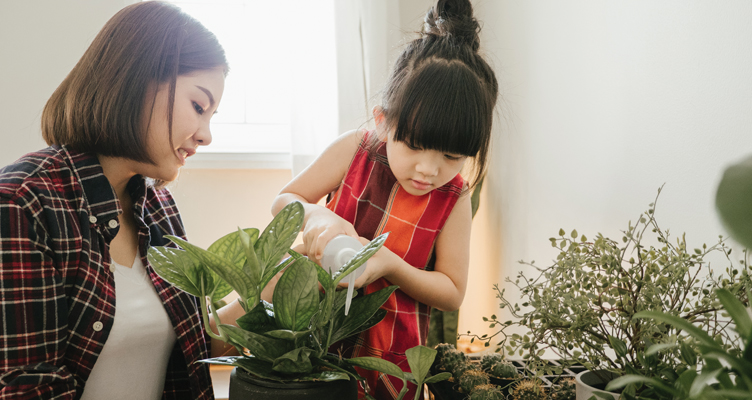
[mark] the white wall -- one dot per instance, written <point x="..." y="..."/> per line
<point x="602" y="103"/>
<point x="41" y="42"/>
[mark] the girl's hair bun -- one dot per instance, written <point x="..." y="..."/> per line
<point x="453" y="18"/>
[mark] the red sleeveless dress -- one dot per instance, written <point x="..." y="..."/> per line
<point x="371" y="198"/>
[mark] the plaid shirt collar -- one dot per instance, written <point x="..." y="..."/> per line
<point x="100" y="196"/>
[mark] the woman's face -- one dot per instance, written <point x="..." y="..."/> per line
<point x="197" y="97"/>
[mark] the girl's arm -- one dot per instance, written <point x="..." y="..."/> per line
<point x="443" y="288"/>
<point x="319" y="179"/>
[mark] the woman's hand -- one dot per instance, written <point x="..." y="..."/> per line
<point x="322" y="226"/>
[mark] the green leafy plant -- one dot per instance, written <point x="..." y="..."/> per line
<point x="724" y="375"/>
<point x="583" y="307"/>
<point x="420" y="359"/>
<point x="288" y="339"/>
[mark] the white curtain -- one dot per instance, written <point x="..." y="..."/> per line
<point x="346" y="67"/>
<point x="314" y="82"/>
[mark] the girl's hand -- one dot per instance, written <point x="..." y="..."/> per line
<point x="322" y="226"/>
<point x="379" y="265"/>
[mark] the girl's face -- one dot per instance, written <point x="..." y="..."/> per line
<point x="197" y="97"/>
<point x="420" y="171"/>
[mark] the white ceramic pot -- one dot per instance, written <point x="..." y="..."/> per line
<point x="586" y="383"/>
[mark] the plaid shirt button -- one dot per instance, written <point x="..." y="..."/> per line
<point x="98" y="326"/>
<point x="93" y="219"/>
<point x="112" y="268"/>
<point x="113" y="223"/>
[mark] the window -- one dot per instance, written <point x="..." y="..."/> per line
<point x="252" y="128"/>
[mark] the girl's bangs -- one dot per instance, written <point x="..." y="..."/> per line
<point x="443" y="107"/>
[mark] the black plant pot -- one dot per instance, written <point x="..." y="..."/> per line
<point x="244" y="386"/>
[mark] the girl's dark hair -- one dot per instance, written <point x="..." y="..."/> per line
<point x="100" y="106"/>
<point x="441" y="93"/>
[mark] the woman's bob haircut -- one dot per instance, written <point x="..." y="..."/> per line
<point x="100" y="106"/>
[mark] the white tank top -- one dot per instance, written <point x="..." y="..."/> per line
<point x="133" y="362"/>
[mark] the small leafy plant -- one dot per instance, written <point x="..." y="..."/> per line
<point x="288" y="339"/>
<point x="584" y="307"/>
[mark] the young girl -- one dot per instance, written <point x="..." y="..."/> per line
<point x="403" y="178"/>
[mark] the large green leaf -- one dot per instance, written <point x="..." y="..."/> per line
<point x="360" y="257"/>
<point x="279" y="235"/>
<point x="230" y="248"/>
<point x="438" y="377"/>
<point x="269" y="273"/>
<point x="656" y="348"/>
<point x="738" y="312"/>
<point x="177" y="267"/>
<point x="747" y="354"/>
<point x="262" y="347"/>
<point x="370" y="323"/>
<point x="740" y="365"/>
<point x="264" y="369"/>
<point x="226" y="270"/>
<point x="325" y="279"/>
<point x="296" y="296"/>
<point x="420" y="359"/>
<point x="377" y="364"/>
<point x="251" y="267"/>
<point x="257" y="320"/>
<point x="680" y="323"/>
<point x="287" y="334"/>
<point x="297" y="361"/>
<point x="260" y="368"/>
<point x="620" y="348"/>
<point x="702" y="381"/>
<point x="224" y="360"/>
<point x="733" y="197"/>
<point x="623" y="381"/>
<point x="361" y="310"/>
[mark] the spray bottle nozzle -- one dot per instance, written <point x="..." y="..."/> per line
<point x="339" y="251"/>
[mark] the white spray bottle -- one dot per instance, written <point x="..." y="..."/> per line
<point x="336" y="253"/>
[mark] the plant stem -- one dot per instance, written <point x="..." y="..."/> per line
<point x="205" y="316"/>
<point x="205" y="308"/>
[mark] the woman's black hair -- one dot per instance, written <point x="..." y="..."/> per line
<point x="442" y="93"/>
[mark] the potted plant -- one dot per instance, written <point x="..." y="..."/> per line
<point x="721" y="373"/>
<point x="725" y="374"/>
<point x="583" y="307"/>
<point x="284" y="345"/>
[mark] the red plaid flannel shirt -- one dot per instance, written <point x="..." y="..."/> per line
<point x="57" y="294"/>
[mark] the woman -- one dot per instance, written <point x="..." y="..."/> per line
<point x="83" y="314"/>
